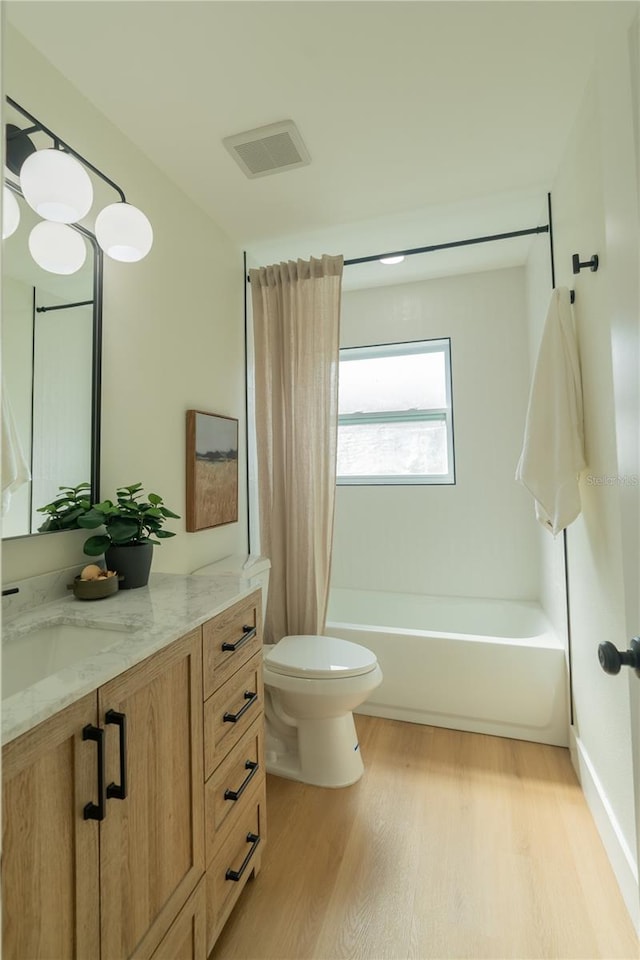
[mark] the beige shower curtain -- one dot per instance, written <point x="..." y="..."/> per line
<point x="296" y="319"/>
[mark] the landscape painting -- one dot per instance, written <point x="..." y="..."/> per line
<point x="212" y="470"/>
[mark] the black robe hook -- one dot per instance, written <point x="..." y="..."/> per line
<point x="578" y="265"/>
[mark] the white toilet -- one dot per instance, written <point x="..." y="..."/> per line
<point x="312" y="685"/>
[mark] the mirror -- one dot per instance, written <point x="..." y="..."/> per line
<point x="51" y="362"/>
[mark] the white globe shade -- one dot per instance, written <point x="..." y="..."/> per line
<point x="123" y="232"/>
<point x="57" y="248"/>
<point x="10" y="213"/>
<point x="56" y="186"/>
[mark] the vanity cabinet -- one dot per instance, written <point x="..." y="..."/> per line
<point x="152" y="842"/>
<point x="234" y="789"/>
<point x="111" y="888"/>
<point x="133" y="818"/>
<point x="50" y="869"/>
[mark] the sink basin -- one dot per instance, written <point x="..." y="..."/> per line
<point x="48" y="649"/>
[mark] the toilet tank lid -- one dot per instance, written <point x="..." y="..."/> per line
<point x="242" y="564"/>
<point x="319" y="657"/>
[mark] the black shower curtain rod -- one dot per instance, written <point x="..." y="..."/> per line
<point x="447" y="246"/>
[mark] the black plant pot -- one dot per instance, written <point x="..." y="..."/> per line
<point x="132" y="561"/>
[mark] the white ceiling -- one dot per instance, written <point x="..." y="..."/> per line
<point x="425" y="121"/>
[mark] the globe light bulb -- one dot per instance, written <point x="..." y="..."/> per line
<point x="124" y="232"/>
<point x="56" y="186"/>
<point x="57" y="248"/>
<point x="10" y="213"/>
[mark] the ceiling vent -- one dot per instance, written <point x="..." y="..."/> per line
<point x="270" y="149"/>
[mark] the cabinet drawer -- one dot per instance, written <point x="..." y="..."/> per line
<point x="230" y="639"/>
<point x="238" y="857"/>
<point x="229" y="713"/>
<point x="231" y="787"/>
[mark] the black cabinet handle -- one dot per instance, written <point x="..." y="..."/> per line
<point x="117" y="791"/>
<point x="253" y="768"/>
<point x="95" y="811"/>
<point x="234" y="717"/>
<point x="248" y="633"/>
<point x="236" y="875"/>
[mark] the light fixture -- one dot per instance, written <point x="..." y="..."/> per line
<point x="57" y="247"/>
<point x="123" y="232"/>
<point x="56" y="184"/>
<point x="390" y="260"/>
<point x="10" y="213"/>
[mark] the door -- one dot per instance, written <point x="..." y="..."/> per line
<point x="50" y="902"/>
<point x="595" y="211"/>
<point x="152" y="838"/>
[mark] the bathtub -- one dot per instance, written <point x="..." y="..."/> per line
<point x="486" y="666"/>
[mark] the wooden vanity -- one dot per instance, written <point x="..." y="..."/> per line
<point x="133" y="817"/>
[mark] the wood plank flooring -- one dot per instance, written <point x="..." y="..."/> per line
<point x="451" y="845"/>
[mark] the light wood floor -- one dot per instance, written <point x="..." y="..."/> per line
<point x="451" y="845"/>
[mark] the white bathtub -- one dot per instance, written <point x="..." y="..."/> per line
<point x="487" y="666"/>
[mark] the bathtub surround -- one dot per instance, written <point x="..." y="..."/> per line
<point x="296" y="322"/>
<point x="159" y="318"/>
<point x="476" y="538"/>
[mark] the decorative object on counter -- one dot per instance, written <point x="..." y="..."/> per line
<point x="94" y="583"/>
<point x="63" y="512"/>
<point x="212" y="470"/>
<point x="131" y="526"/>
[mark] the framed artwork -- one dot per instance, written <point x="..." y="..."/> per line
<point x="212" y="470"/>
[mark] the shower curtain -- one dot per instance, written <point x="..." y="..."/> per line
<point x="296" y="317"/>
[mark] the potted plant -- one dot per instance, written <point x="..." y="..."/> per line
<point x="68" y="506"/>
<point x="132" y="526"/>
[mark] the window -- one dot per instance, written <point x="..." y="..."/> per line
<point x="395" y="423"/>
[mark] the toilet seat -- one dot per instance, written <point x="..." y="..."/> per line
<point x="320" y="658"/>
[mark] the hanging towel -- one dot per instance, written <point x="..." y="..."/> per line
<point x="553" y="449"/>
<point x="15" y="469"/>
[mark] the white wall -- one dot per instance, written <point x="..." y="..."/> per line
<point x="477" y="538"/>
<point x="594" y="195"/>
<point x="173" y="329"/>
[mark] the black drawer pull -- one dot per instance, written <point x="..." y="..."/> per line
<point x="114" y="790"/>
<point x="248" y="633"/>
<point x="234" y="717"/>
<point x="95" y="811"/>
<point x="253" y="768"/>
<point x="236" y="875"/>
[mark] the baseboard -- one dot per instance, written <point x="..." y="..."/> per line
<point x="623" y="861"/>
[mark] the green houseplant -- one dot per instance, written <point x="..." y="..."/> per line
<point x="132" y="525"/>
<point x="68" y="506"/>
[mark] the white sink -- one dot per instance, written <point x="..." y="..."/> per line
<point x="45" y="650"/>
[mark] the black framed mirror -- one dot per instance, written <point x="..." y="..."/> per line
<point x="51" y="367"/>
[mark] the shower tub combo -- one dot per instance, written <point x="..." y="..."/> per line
<point x="486" y="666"/>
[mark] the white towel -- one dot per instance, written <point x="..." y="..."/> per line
<point x="15" y="469"/>
<point x="553" y="449"/>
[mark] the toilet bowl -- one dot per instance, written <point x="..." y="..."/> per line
<point x="311" y="684"/>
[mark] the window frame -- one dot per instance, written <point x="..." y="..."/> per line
<point x="430" y="414"/>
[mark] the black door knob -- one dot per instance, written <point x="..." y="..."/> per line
<point x="611" y="659"/>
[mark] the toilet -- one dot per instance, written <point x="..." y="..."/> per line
<point x="312" y="685"/>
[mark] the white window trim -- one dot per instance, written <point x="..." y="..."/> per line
<point x="445" y="414"/>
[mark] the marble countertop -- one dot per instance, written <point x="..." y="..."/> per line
<point x="153" y="616"/>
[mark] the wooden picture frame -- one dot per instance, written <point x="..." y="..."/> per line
<point x="212" y="470"/>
